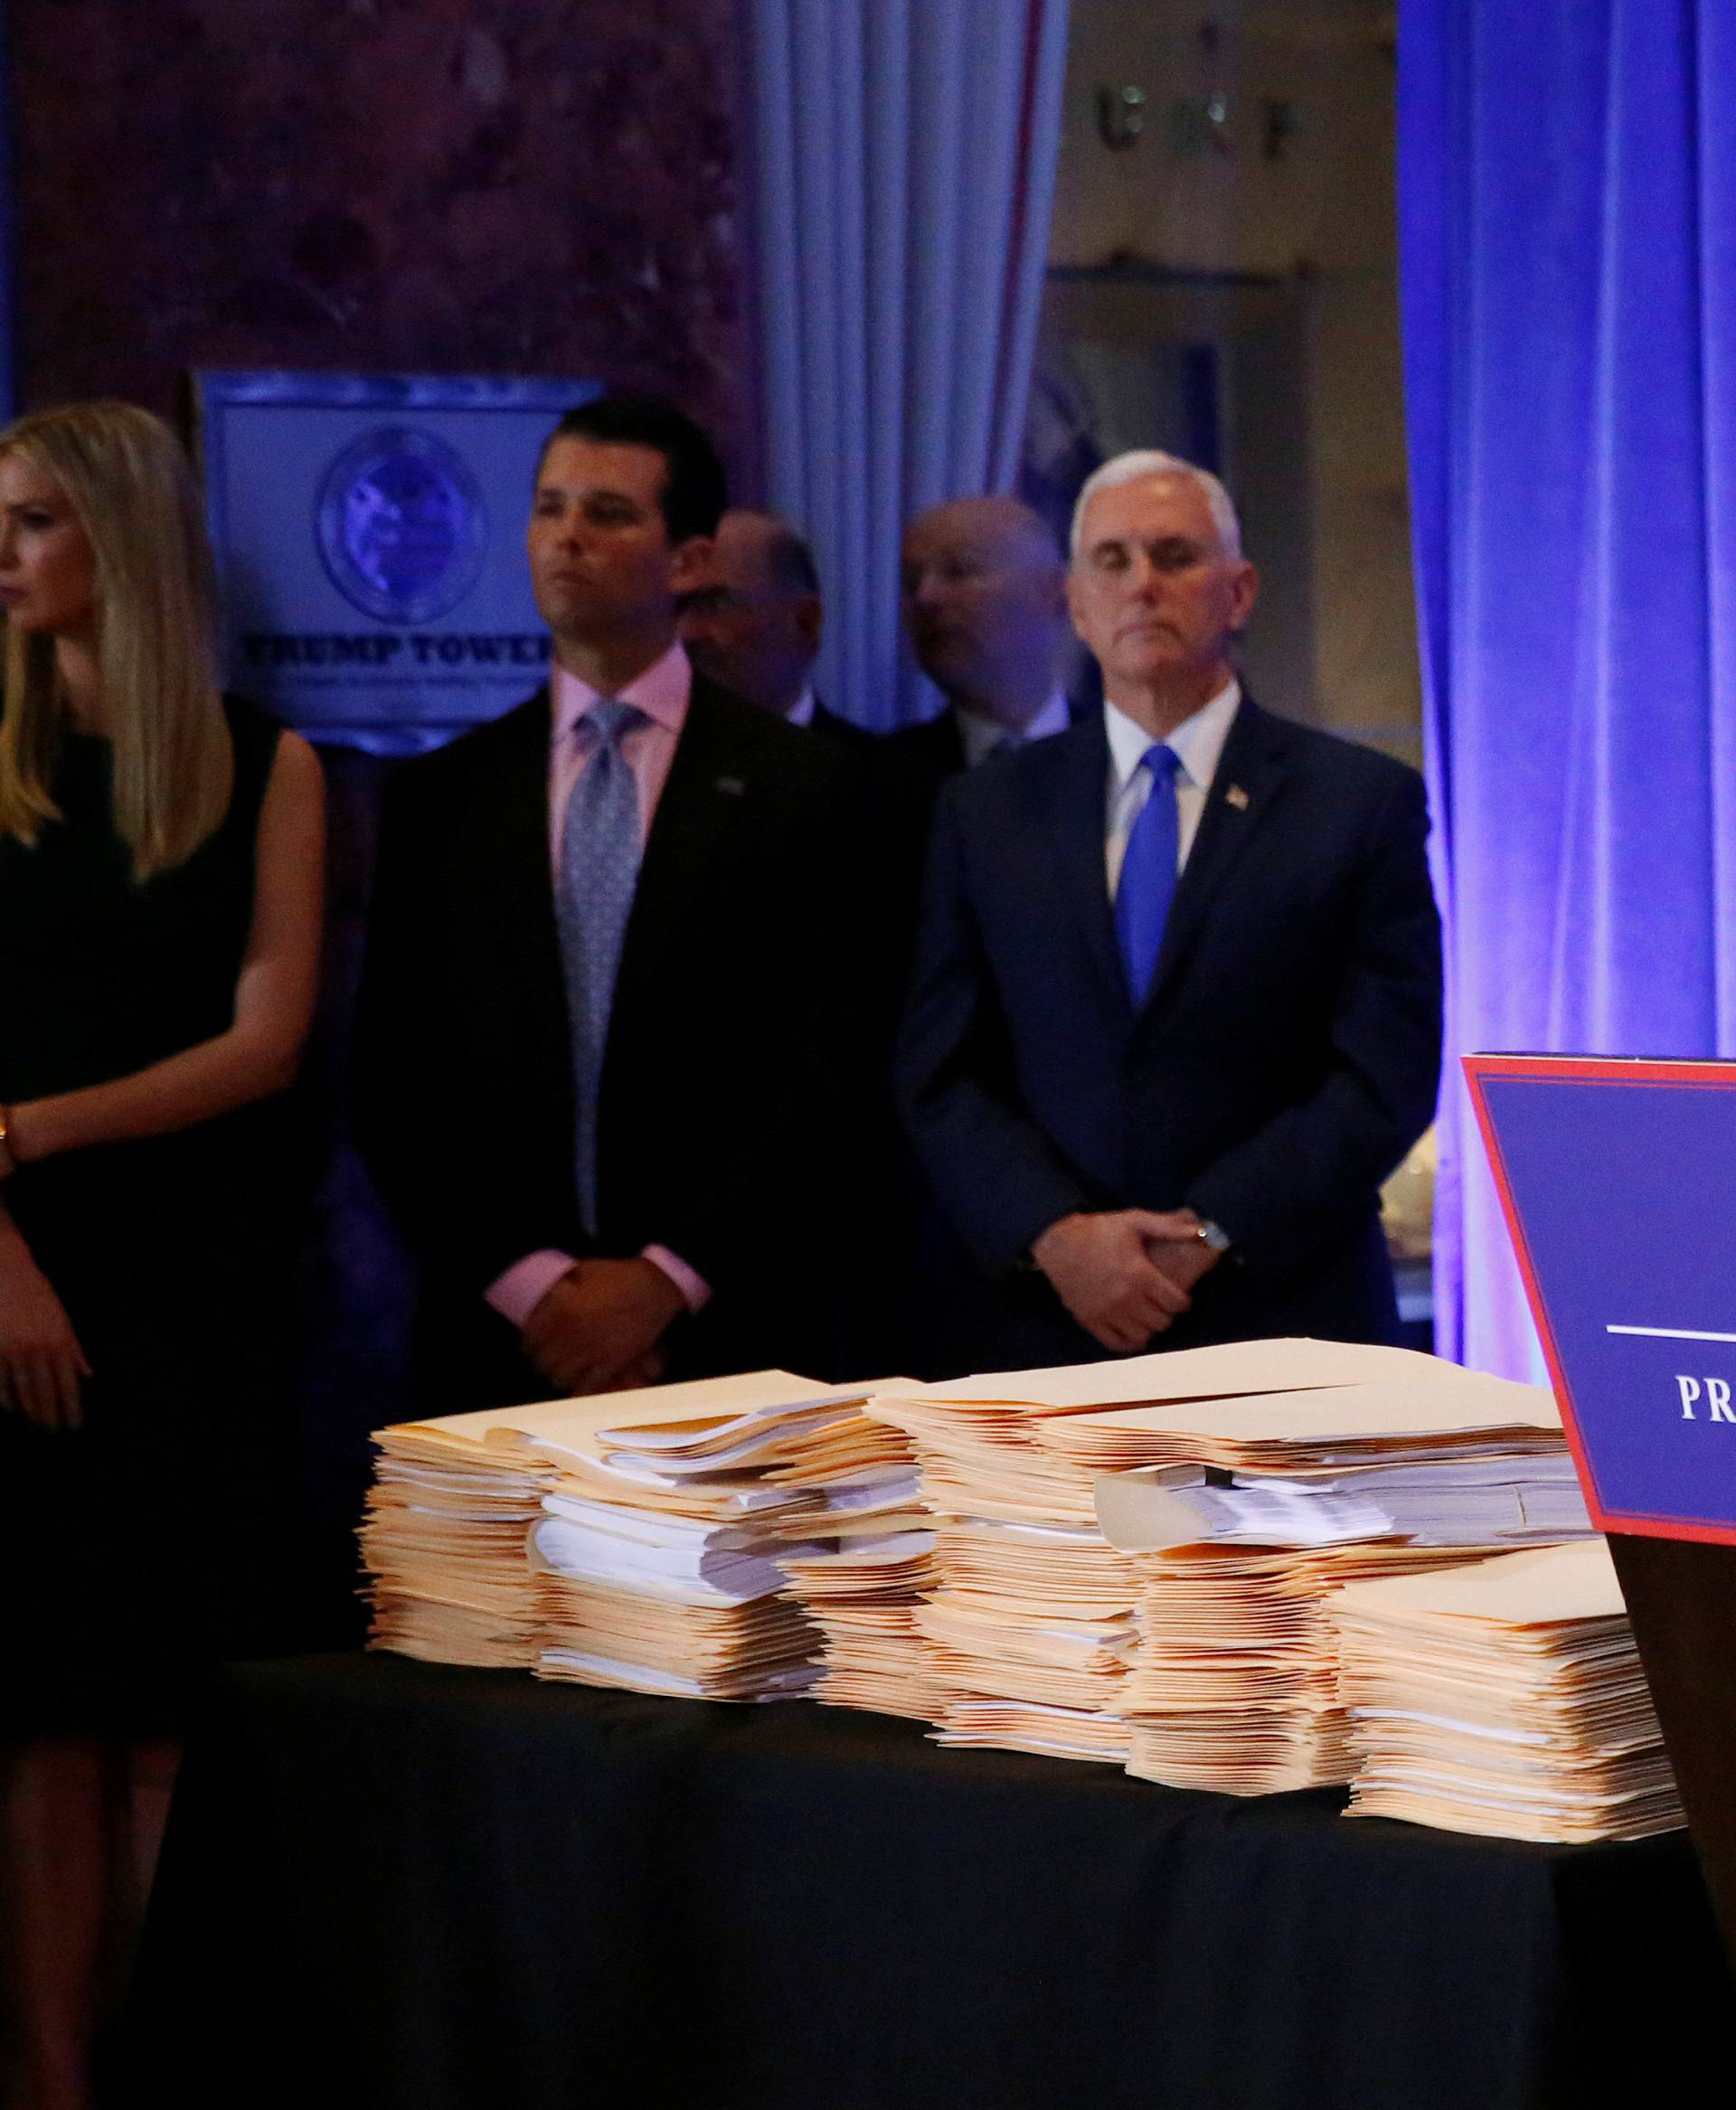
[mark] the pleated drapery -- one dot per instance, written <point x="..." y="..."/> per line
<point x="1568" y="235"/>
<point x="903" y="174"/>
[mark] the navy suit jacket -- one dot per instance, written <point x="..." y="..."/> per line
<point x="1285" y="1059"/>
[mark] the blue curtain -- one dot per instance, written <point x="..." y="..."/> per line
<point x="904" y="171"/>
<point x="6" y="280"/>
<point x="1568" y="232"/>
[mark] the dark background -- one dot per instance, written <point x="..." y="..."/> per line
<point x="516" y="186"/>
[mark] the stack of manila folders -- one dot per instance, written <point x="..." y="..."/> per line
<point x="1133" y="1556"/>
<point x="1506" y="1697"/>
<point x="634" y="1538"/>
<point x="1133" y="1561"/>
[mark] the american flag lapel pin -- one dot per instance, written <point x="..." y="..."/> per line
<point x="1237" y="797"/>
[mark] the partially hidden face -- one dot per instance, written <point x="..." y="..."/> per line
<point x="741" y="627"/>
<point x="48" y="569"/>
<point x="602" y="561"/>
<point x="977" y="595"/>
<point x="1152" y="593"/>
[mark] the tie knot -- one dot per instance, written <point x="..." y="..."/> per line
<point x="608" y="718"/>
<point x="1162" y="761"/>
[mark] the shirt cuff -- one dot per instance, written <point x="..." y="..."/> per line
<point x="693" y="1288"/>
<point x="517" y="1293"/>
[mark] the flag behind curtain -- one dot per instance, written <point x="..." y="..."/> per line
<point x="1567" y="239"/>
<point x="904" y="171"/>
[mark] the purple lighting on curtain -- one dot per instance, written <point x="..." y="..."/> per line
<point x="1568" y="236"/>
<point x="904" y="170"/>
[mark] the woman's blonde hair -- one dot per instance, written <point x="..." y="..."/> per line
<point x="127" y="479"/>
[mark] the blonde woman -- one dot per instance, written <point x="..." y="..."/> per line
<point x="160" y="860"/>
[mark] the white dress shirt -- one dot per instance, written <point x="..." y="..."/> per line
<point x="1198" y="743"/>
<point x="982" y="736"/>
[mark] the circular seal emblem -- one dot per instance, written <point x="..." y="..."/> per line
<point x="400" y="524"/>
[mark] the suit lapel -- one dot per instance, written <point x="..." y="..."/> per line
<point x="1077" y="792"/>
<point x="702" y="803"/>
<point x="1249" y="776"/>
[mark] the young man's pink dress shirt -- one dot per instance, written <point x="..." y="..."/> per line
<point x="661" y="693"/>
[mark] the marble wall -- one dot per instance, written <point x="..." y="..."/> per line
<point x="542" y="186"/>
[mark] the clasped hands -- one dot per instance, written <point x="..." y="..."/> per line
<point x="1125" y="1274"/>
<point x="600" y="1327"/>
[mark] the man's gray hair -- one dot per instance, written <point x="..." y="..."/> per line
<point x="1150" y="461"/>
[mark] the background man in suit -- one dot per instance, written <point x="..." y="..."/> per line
<point x="985" y="606"/>
<point x="591" y="1072"/>
<point x="1176" y="1005"/>
<point x="751" y="619"/>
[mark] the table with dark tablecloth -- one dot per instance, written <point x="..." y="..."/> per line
<point x="389" y="1883"/>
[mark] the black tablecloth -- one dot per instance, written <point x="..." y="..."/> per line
<point x="390" y="1884"/>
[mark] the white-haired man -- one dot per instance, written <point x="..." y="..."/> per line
<point x="1176" y="1006"/>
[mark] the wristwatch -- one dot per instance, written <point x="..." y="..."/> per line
<point x="1213" y="1236"/>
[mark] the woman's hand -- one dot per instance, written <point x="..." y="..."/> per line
<point x="40" y="1362"/>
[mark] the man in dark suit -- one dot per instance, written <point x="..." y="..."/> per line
<point x="598" y="1062"/>
<point x="983" y="592"/>
<point x="752" y="619"/>
<point x="1176" y="1006"/>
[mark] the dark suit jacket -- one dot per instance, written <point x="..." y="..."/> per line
<point x="719" y="1130"/>
<point x="913" y="766"/>
<point x="1287" y="1057"/>
<point x="918" y="762"/>
<point x="855" y="740"/>
<point x="923" y="756"/>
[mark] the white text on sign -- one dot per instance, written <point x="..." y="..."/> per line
<point x="1713" y="1393"/>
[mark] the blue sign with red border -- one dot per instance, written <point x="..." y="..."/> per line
<point x="1618" y="1180"/>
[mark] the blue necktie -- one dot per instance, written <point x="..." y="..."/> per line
<point x="1147" y="881"/>
<point x="599" y="868"/>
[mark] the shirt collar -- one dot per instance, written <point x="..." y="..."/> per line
<point x="801" y="712"/>
<point x="1197" y="741"/>
<point x="982" y="735"/>
<point x="661" y="691"/>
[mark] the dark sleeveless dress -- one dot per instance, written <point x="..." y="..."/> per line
<point x="136" y="1551"/>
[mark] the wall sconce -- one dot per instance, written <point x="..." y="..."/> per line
<point x="1120" y="116"/>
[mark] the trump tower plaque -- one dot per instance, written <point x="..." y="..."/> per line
<point x="370" y="540"/>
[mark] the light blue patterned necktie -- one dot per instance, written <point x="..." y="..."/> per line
<point x="1147" y="881"/>
<point x="599" y="868"/>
